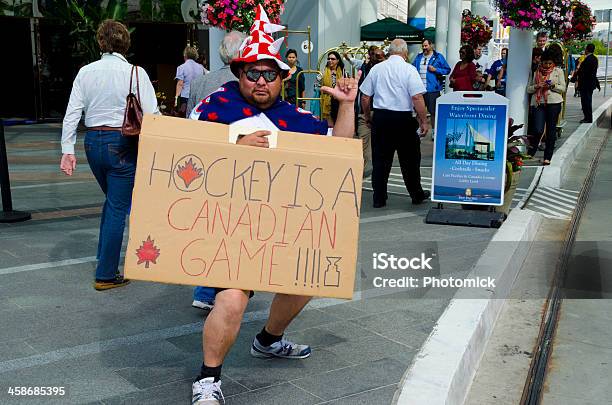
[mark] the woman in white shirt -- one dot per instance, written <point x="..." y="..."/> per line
<point x="100" y="90"/>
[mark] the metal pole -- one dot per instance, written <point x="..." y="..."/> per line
<point x="7" y="214"/>
<point x="607" y="52"/>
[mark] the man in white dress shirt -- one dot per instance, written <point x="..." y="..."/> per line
<point x="396" y="90"/>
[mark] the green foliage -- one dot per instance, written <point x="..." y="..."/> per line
<point x="161" y="10"/>
<point x="17" y="8"/>
<point x="82" y="19"/>
<point x="577" y="47"/>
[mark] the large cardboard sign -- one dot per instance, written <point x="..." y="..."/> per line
<point x="469" y="164"/>
<point x="211" y="213"/>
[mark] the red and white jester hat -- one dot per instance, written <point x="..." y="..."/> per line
<point x="259" y="45"/>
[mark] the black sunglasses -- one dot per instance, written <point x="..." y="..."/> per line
<point x="332" y="59"/>
<point x="253" y="75"/>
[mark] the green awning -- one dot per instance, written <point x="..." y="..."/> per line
<point x="390" y="28"/>
<point x="430" y="33"/>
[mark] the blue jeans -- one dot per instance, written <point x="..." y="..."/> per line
<point x="112" y="159"/>
<point x="204" y="294"/>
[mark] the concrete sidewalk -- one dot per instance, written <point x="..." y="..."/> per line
<point x="581" y="363"/>
<point x="142" y="343"/>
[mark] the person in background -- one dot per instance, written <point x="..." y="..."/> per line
<point x="497" y="67"/>
<point x="202" y="86"/>
<point x="587" y="77"/>
<point x="464" y="75"/>
<point x="482" y="61"/>
<point x="541" y="40"/>
<point x="292" y="82"/>
<point x="100" y="90"/>
<point x="431" y="66"/>
<point x="356" y="62"/>
<point x="536" y="58"/>
<point x="364" y="132"/>
<point x="185" y="74"/>
<point x="500" y="81"/>
<point x="334" y="71"/>
<point x="394" y="90"/>
<point x="547" y="86"/>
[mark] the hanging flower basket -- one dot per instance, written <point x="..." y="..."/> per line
<point x="239" y="15"/>
<point x="475" y="30"/>
<point x="582" y="23"/>
<point x="554" y="16"/>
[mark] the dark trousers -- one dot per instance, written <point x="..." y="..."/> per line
<point x="395" y="131"/>
<point x="586" y="99"/>
<point x="112" y="159"/>
<point x="546" y="114"/>
<point x="430" y="102"/>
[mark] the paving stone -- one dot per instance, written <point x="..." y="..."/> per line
<point x="20" y="324"/>
<point x="343" y="311"/>
<point x="353" y="380"/>
<point x="256" y="373"/>
<point x="371" y="348"/>
<point x="377" y="396"/>
<point x="310" y="318"/>
<point x="15" y="349"/>
<point x="315" y="337"/>
<point x="282" y="394"/>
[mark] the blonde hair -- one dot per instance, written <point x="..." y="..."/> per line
<point x="190" y="52"/>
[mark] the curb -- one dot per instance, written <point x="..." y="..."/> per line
<point x="443" y="369"/>
<point x="555" y="173"/>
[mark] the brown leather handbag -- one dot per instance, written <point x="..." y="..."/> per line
<point x="132" y="117"/>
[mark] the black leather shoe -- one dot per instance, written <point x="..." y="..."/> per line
<point x="426" y="195"/>
<point x="379" y="204"/>
<point x="585" y="121"/>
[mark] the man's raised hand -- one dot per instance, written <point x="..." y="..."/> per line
<point x="346" y="89"/>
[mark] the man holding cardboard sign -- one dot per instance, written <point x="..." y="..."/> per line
<point x="254" y="102"/>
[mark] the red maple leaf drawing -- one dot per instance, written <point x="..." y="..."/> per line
<point x="282" y="123"/>
<point x="247" y="111"/>
<point x="189" y="172"/>
<point x="212" y="116"/>
<point x="148" y="252"/>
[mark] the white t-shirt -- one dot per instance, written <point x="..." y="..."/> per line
<point x="423" y="69"/>
<point x="393" y="83"/>
<point x="483" y="63"/>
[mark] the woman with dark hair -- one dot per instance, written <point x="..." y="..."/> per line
<point x="290" y="82"/>
<point x="100" y="90"/>
<point x="464" y="73"/>
<point x="334" y="70"/>
<point x="547" y="86"/>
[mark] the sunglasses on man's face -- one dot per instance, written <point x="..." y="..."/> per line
<point x="253" y="75"/>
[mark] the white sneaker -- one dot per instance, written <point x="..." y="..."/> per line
<point x="207" y="392"/>
<point x="202" y="305"/>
